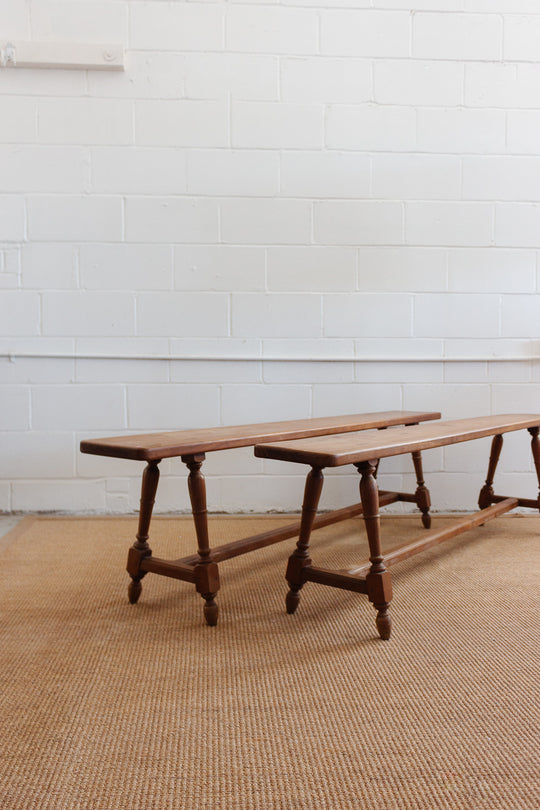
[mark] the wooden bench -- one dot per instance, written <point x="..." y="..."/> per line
<point x="191" y="446"/>
<point x="364" y="451"/>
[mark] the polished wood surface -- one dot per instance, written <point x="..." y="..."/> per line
<point x="152" y="446"/>
<point x="365" y="451"/>
<point x="335" y="451"/>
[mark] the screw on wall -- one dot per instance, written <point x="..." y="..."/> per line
<point x="7" y="55"/>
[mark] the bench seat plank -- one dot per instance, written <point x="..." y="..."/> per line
<point x="335" y="451"/>
<point x="155" y="446"/>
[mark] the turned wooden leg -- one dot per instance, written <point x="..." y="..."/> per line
<point x="378" y="580"/>
<point x="486" y="493"/>
<point x="140" y="548"/>
<point x="206" y="571"/>
<point x="299" y="559"/>
<point x="423" y="500"/>
<point x="535" y="447"/>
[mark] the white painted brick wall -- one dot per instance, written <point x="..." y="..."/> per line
<point x="301" y="179"/>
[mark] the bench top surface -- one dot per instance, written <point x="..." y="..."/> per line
<point x="155" y="446"/>
<point x="334" y="451"/>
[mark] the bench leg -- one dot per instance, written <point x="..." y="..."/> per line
<point x="535" y="447"/>
<point x="140" y="548"/>
<point x="300" y="558"/>
<point x="206" y="571"/>
<point x="378" y="580"/>
<point x="486" y="493"/>
<point x="423" y="500"/>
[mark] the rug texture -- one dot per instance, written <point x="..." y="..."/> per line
<point x="108" y="705"/>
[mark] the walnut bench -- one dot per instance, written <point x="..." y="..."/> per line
<point x="364" y="451"/>
<point x="191" y="446"/>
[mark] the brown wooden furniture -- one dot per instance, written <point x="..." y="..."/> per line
<point x="191" y="445"/>
<point x="364" y="450"/>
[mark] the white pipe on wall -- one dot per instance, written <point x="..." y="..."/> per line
<point x="13" y="356"/>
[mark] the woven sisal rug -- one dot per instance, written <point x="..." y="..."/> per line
<point x="107" y="705"/>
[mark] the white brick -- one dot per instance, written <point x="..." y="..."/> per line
<point x="517" y="225"/>
<point x="178" y="314"/>
<point x="311" y="268"/>
<point x="520" y="316"/>
<point x="371" y="127"/>
<point x="19" y="120"/>
<point x="46" y="169"/>
<point x="418" y="83"/>
<point x="449" y="223"/>
<point x="235" y="462"/>
<point x="495" y="6"/>
<point x="59" y="496"/>
<point x="12" y="218"/>
<point x="408" y="348"/>
<point x="522" y="128"/>
<point x="129" y="371"/>
<point x="266" y="221"/>
<point x="367" y="315"/>
<point x="5" y="497"/>
<point x="129" y="347"/>
<point x="170" y="219"/>
<point x="181" y="123"/>
<point x="325" y="174"/>
<point x="78" y="407"/>
<point x="245" y="404"/>
<point x="416" y="177"/>
<point x="365" y="33"/>
<point x="501" y="178"/>
<point x="172" y="406"/>
<point x="461" y="130"/>
<point x="62" y="20"/>
<point x="233" y="173"/>
<point x="85" y="121"/>
<point x="245" y="76"/>
<point x="72" y="218"/>
<point x="257" y="493"/>
<point x="88" y="313"/>
<point x="18" y="15"/>
<point x="454" y="315"/>
<point x="307" y="349"/>
<point x="521" y="35"/>
<point x="515" y="398"/>
<point x="272" y="125"/>
<point x="37" y="82"/>
<point x="176" y="27"/>
<point x="219" y="267"/>
<point x="216" y="371"/>
<point x="358" y="223"/>
<point x="146" y="76"/>
<point x="15" y="408"/>
<point x="401" y="269"/>
<point x="19" y="313"/>
<point x="491" y="270"/>
<point x="505" y="85"/>
<point x="271" y="30"/>
<point x="35" y="454"/>
<point x="453" y="401"/>
<point x="308" y="372"/>
<point x="48" y="266"/>
<point x="125" y="170"/>
<point x="325" y="80"/>
<point x="457" y="36"/>
<point x="389" y="372"/>
<point x="125" y="267"/>
<point x="421" y="5"/>
<point x="334" y="400"/>
<point x="276" y="315"/>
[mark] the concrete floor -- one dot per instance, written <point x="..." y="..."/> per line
<point x="8" y="522"/>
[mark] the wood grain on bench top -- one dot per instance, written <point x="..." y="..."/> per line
<point x="334" y="451"/>
<point x="153" y="446"/>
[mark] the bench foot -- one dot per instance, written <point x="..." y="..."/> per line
<point x="292" y="600"/>
<point x="422" y="497"/>
<point x="383" y="622"/>
<point x="300" y="557"/>
<point x="211" y="610"/>
<point x="134" y="590"/>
